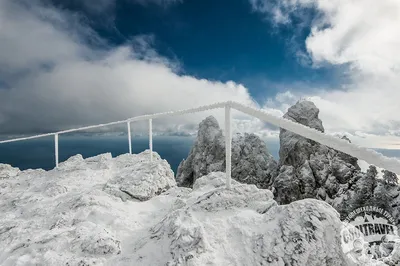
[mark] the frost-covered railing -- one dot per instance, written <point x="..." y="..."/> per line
<point x="368" y="155"/>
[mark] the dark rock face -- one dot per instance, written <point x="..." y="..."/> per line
<point x="294" y="149"/>
<point x="312" y="165"/>
<point x="311" y="170"/>
<point x="207" y="154"/>
<point x="251" y="161"/>
<point x="306" y="168"/>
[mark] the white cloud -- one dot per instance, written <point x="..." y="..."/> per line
<point x="365" y="36"/>
<point x="56" y="81"/>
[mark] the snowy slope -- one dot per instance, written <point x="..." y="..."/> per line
<point x="128" y="211"/>
<point x="64" y="216"/>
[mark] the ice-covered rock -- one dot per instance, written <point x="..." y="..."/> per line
<point x="141" y="181"/>
<point x="242" y="226"/>
<point x="64" y="217"/>
<point x="7" y="171"/>
<point x="311" y="170"/>
<point x="251" y="161"/>
<point x="207" y="154"/>
<point x="294" y="149"/>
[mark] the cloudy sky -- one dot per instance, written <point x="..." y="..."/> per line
<point x="67" y="63"/>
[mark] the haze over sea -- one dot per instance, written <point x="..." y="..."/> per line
<point x="39" y="153"/>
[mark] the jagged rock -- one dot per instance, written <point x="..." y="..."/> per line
<point x="311" y="170"/>
<point x="207" y="154"/>
<point x="286" y="186"/>
<point x="314" y="165"/>
<point x="256" y="230"/>
<point x="294" y="149"/>
<point x="251" y="161"/>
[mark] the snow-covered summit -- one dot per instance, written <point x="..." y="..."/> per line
<point x="128" y="211"/>
<point x="75" y="214"/>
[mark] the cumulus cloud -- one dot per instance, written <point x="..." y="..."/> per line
<point x="365" y="37"/>
<point x="54" y="77"/>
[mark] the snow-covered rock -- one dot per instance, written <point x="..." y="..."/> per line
<point x="141" y="181"/>
<point x="69" y="215"/>
<point x="251" y="161"/>
<point x="207" y="154"/>
<point x="7" y="171"/>
<point x="310" y="165"/>
<point x="65" y="217"/>
<point x="311" y="170"/>
<point x="242" y="226"/>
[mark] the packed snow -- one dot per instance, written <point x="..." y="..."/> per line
<point x="95" y="211"/>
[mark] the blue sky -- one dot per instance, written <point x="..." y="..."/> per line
<point x="213" y="42"/>
<point x="67" y="63"/>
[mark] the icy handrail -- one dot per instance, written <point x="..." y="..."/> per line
<point x="368" y="155"/>
<point x="136" y="118"/>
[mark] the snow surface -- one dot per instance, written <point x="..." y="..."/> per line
<point x="96" y="212"/>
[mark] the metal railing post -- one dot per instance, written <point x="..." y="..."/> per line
<point x="228" y="145"/>
<point x="151" y="139"/>
<point x="56" y="148"/>
<point x="129" y="137"/>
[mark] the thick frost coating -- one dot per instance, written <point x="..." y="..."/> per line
<point x="242" y="226"/>
<point x="65" y="217"/>
<point x="7" y="171"/>
<point x="311" y="170"/>
<point x="307" y="168"/>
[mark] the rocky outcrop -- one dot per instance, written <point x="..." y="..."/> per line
<point x="251" y="161"/>
<point x="310" y="170"/>
<point x="256" y="230"/>
<point x="207" y="154"/>
<point x="316" y="170"/>
<point x="306" y="168"/>
<point x="141" y="181"/>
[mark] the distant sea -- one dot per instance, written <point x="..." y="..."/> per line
<point x="39" y="153"/>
